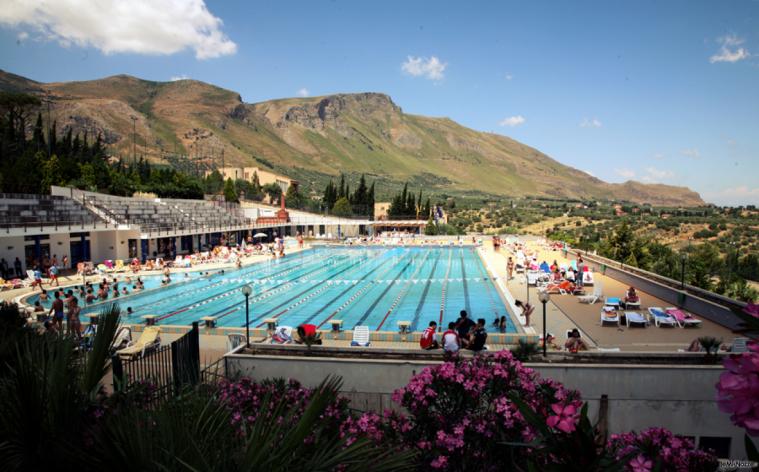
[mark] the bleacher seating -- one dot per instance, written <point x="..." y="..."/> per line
<point x="165" y="214"/>
<point x="18" y="210"/>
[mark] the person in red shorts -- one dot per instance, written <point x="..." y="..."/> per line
<point x="429" y="337"/>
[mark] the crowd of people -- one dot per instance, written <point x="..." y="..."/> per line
<point x="463" y="333"/>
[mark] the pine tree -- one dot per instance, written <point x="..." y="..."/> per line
<point x="38" y="137"/>
<point x="370" y="201"/>
<point x="341" y="193"/>
<point x="230" y="195"/>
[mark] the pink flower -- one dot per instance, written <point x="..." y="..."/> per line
<point x="738" y="389"/>
<point x="641" y="464"/>
<point x="564" y="417"/>
<point x="439" y="463"/>
<point x="752" y="309"/>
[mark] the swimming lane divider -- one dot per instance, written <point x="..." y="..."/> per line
<point x="230" y="292"/>
<point x="466" y="287"/>
<point x="269" y="312"/>
<point x="352" y="297"/>
<point x="426" y="290"/>
<point x="403" y="291"/>
<point x="387" y="289"/>
<point x="445" y="286"/>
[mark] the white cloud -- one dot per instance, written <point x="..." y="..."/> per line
<point x="156" y="27"/>
<point x="512" y="121"/>
<point x="740" y="195"/>
<point x="591" y="123"/>
<point x="730" y="50"/>
<point x="303" y="92"/>
<point x="654" y="175"/>
<point x="624" y="172"/>
<point x="693" y="153"/>
<point x="659" y="156"/>
<point x="431" y="68"/>
<point x="509" y="76"/>
<point x="22" y="36"/>
<point x="174" y="78"/>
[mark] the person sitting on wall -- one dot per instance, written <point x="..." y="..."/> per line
<point x="307" y="334"/>
<point x="464" y="326"/>
<point x="451" y="341"/>
<point x="574" y="342"/>
<point x="283" y="335"/>
<point x="478" y="337"/>
<point x="428" y="340"/>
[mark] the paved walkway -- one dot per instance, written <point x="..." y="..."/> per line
<point x="565" y="312"/>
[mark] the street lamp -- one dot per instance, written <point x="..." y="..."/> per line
<point x="544" y="297"/>
<point x="247" y="290"/>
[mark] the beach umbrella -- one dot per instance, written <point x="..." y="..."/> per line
<point x="260" y="235"/>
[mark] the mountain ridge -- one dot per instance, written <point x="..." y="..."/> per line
<point x="315" y="138"/>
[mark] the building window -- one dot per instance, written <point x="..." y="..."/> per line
<point x="719" y="444"/>
<point x="41" y="237"/>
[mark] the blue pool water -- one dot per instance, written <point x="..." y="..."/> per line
<point x="376" y="287"/>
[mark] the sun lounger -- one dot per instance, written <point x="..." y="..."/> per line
<point x="632" y="317"/>
<point x="609" y="315"/>
<point x="683" y="317"/>
<point x="119" y="267"/>
<point x="235" y="340"/>
<point x="148" y="341"/>
<point x="360" y="336"/>
<point x="587" y="278"/>
<point x="633" y="305"/>
<point x="122" y="338"/>
<point x="739" y="345"/>
<point x="612" y="301"/>
<point x="594" y="297"/>
<point x="662" y="318"/>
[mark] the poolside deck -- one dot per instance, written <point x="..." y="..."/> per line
<point x="565" y="312"/>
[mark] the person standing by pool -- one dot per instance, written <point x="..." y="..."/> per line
<point x="17" y="267"/>
<point x="75" y="326"/>
<point x="429" y="337"/>
<point x="510" y="268"/>
<point x="54" y="274"/>
<point x="527" y="310"/>
<point x="57" y="311"/>
<point x="580" y="272"/>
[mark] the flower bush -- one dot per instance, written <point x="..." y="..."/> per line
<point x="247" y="399"/>
<point x="659" y="449"/>
<point x="738" y="389"/>
<point x="460" y="414"/>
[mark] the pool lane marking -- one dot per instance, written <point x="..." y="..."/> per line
<point x="387" y="289"/>
<point x="288" y="269"/>
<point x="466" y="287"/>
<point x="268" y="293"/>
<point x="351" y="266"/>
<point x="404" y="291"/>
<point x="355" y="295"/>
<point x="234" y="289"/>
<point x="445" y="286"/>
<point x="426" y="290"/>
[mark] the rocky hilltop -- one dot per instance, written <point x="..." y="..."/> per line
<point x="315" y="138"/>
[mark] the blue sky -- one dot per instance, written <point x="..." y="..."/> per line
<point x="646" y="90"/>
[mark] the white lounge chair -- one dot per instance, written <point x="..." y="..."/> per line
<point x="149" y="340"/>
<point x="632" y="317"/>
<point x="612" y="301"/>
<point x="235" y="340"/>
<point x="597" y="295"/>
<point x="609" y="315"/>
<point x="683" y="317"/>
<point x="739" y="345"/>
<point x="587" y="278"/>
<point x="662" y="318"/>
<point x="360" y="336"/>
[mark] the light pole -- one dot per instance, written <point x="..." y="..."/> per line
<point x="682" y="271"/>
<point x="527" y="283"/>
<point x="544" y="297"/>
<point x="247" y="290"/>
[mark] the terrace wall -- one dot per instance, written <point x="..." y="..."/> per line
<point x="678" y="397"/>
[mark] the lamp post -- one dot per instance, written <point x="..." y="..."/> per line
<point x="247" y="290"/>
<point x="544" y="297"/>
<point x="682" y="271"/>
<point x="527" y="284"/>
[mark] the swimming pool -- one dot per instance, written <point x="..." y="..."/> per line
<point x="376" y="287"/>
